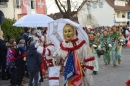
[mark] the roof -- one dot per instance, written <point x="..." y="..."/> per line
<point x="122" y="8"/>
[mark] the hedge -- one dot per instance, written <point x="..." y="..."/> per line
<point x="8" y="29"/>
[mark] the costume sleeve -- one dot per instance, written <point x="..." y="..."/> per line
<point x="88" y="61"/>
<point x="49" y="50"/>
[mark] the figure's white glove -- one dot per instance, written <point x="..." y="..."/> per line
<point x="36" y="45"/>
<point x="109" y="45"/>
<point x="39" y="33"/>
<point x="121" y="40"/>
<point x="55" y="54"/>
<point x="42" y="38"/>
<point x="94" y="45"/>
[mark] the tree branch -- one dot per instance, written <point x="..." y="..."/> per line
<point x="59" y="6"/>
<point x="69" y="6"/>
<point x="62" y="6"/>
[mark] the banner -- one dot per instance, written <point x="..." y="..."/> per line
<point x="40" y="6"/>
<point x="25" y="6"/>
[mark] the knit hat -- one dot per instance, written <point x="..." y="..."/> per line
<point x="32" y="45"/>
<point x="21" y="41"/>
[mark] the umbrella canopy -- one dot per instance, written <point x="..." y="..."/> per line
<point x="33" y="20"/>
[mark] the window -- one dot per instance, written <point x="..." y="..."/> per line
<point x="88" y="6"/>
<point x="3" y="4"/>
<point x="100" y="4"/>
<point x="123" y="15"/>
<point x="118" y="14"/>
<point x="32" y="5"/>
<point x="94" y="5"/>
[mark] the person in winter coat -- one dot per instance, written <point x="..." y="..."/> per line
<point x="18" y="70"/>
<point x="3" y="52"/>
<point x="34" y="61"/>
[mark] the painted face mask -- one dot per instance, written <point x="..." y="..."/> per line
<point x="68" y="32"/>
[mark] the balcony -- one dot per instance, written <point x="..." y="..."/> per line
<point x="121" y="19"/>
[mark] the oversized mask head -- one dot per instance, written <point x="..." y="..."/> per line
<point x="68" y="32"/>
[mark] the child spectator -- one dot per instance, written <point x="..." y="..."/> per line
<point x="18" y="70"/>
<point x="34" y="60"/>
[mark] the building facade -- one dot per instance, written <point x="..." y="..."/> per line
<point x="103" y="13"/>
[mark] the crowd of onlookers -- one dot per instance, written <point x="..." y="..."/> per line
<point x="13" y="53"/>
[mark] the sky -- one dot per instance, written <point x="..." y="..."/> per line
<point x="52" y="8"/>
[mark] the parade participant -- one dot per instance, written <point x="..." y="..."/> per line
<point x="88" y="31"/>
<point x="94" y="46"/>
<point x="34" y="60"/>
<point x="105" y="44"/>
<point x="48" y="62"/>
<point x="77" y="57"/>
<point x="116" y="46"/>
<point x="98" y="37"/>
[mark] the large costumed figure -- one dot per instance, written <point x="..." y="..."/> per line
<point x="77" y="57"/>
<point x="48" y="63"/>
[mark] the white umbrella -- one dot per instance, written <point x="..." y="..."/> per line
<point x="33" y="20"/>
<point x="55" y="28"/>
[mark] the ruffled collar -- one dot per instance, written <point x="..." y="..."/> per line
<point x="75" y="45"/>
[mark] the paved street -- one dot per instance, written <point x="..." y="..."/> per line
<point x="107" y="76"/>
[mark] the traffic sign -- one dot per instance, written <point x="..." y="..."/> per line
<point x="128" y="15"/>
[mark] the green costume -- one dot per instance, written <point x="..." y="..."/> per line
<point x="116" y="48"/>
<point x="94" y="51"/>
<point x="105" y="41"/>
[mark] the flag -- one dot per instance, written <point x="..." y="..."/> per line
<point x="69" y="70"/>
<point x="40" y="6"/>
<point x="73" y="70"/>
<point x="77" y="79"/>
<point x="25" y="6"/>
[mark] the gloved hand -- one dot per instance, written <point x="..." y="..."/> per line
<point x="36" y="45"/>
<point x="55" y="54"/>
<point x="109" y="45"/>
<point x="94" y="45"/>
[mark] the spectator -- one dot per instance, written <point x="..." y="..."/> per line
<point x="3" y="52"/>
<point x="18" y="70"/>
<point x="34" y="60"/>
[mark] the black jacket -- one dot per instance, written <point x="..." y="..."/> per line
<point x="3" y="49"/>
<point x="18" y="53"/>
<point x="33" y="60"/>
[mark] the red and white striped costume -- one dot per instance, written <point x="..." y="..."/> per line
<point x="85" y="56"/>
<point x="53" y="71"/>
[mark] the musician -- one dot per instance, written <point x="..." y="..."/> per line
<point x="116" y="46"/>
<point x="106" y="46"/>
<point x="93" y="43"/>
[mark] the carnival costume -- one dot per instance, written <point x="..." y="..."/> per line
<point x="94" y="47"/>
<point x="116" y="42"/>
<point x="106" y="46"/>
<point x="48" y="63"/>
<point x="77" y="57"/>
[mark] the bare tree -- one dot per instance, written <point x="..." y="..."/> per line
<point x="66" y="7"/>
